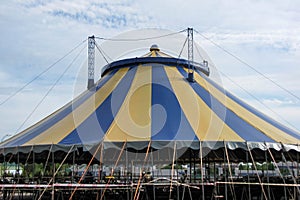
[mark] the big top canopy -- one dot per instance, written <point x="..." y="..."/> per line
<point x="165" y="106"/>
<point x="149" y="98"/>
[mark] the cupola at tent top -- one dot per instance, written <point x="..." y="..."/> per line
<point x="154" y="47"/>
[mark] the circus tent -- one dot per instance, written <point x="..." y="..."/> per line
<point x="149" y="99"/>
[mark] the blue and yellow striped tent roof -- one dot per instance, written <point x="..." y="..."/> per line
<point x="149" y="99"/>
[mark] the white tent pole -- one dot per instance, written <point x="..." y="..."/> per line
<point x="201" y="170"/>
<point x="100" y="171"/>
<point x="73" y="166"/>
<point x="297" y="174"/>
<point x="253" y="162"/>
<point x="126" y="169"/>
<point x="268" y="178"/>
<point x="54" y="174"/>
<point x="230" y="173"/>
<point x="13" y="192"/>
<point x="190" y="150"/>
<point x="46" y="163"/>
<point x="172" y="169"/>
<point x="136" y="195"/>
<point x="115" y="165"/>
<point x="3" y="164"/>
<point x="18" y="163"/>
<point x="298" y="160"/>
<point x="152" y="162"/>
<point x="29" y="156"/>
<point x="277" y="167"/>
<point x="248" y="176"/>
<point x="125" y="172"/>
<point x="290" y="171"/>
<point x="85" y="170"/>
<point x="33" y="164"/>
<point x="101" y="166"/>
<point x="226" y="175"/>
<point x="285" y="194"/>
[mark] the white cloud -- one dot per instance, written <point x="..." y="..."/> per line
<point x="278" y="102"/>
<point x="109" y="14"/>
<point x="284" y="39"/>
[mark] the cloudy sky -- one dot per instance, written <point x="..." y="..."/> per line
<point x="36" y="33"/>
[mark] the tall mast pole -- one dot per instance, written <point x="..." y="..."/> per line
<point x="91" y="61"/>
<point x="190" y="55"/>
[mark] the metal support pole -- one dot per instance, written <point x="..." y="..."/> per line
<point x="53" y="177"/>
<point x="73" y="166"/>
<point x="33" y="165"/>
<point x="268" y="177"/>
<point x="285" y="189"/>
<point x="190" y="165"/>
<point x="297" y="174"/>
<point x="215" y="171"/>
<point x="3" y="164"/>
<point x="226" y="176"/>
<point x="248" y="176"/>
<point x="154" y="195"/>
<point x="18" y="166"/>
<point x="126" y="171"/>
<point x="201" y="170"/>
<point x="91" y="61"/>
<point x="190" y="77"/>
<point x="101" y="169"/>
<point x="194" y="167"/>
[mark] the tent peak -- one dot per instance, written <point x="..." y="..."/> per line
<point x="154" y="47"/>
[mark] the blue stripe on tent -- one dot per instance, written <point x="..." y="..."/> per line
<point x="254" y="111"/>
<point x="97" y="124"/>
<point x="237" y="124"/>
<point x="64" y="111"/>
<point x="168" y="119"/>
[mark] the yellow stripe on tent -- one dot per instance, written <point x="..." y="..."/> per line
<point x="148" y="54"/>
<point x="163" y="54"/>
<point x="133" y="121"/>
<point x="205" y="123"/>
<point x="65" y="126"/>
<point x="260" y="124"/>
<point x="153" y="53"/>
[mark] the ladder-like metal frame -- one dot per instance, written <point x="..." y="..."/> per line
<point x="190" y="77"/>
<point x="91" y="61"/>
